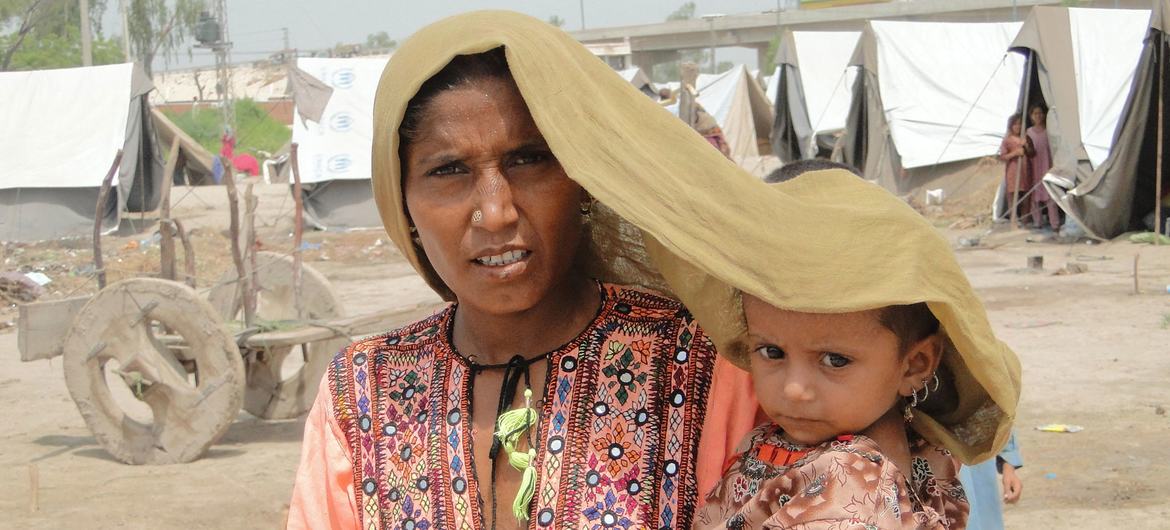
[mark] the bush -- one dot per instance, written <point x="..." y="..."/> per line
<point x="255" y="130"/>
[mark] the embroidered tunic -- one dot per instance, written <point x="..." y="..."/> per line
<point x="618" y="432"/>
<point x="844" y="483"/>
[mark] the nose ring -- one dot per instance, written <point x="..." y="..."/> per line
<point x="476" y="217"/>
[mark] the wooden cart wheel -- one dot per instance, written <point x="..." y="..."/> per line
<point x="282" y="381"/>
<point x="174" y="355"/>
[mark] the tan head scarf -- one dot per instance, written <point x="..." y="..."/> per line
<point x="678" y="217"/>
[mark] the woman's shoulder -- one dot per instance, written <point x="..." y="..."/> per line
<point x="416" y="335"/>
<point x="642" y="303"/>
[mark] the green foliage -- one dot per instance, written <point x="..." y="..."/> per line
<point x="770" y="56"/>
<point x="556" y="21"/>
<point x="47" y="34"/>
<point x="380" y="41"/>
<point x="684" y="12"/>
<point x="160" y="28"/>
<point x="59" y="51"/>
<point x="256" y="130"/>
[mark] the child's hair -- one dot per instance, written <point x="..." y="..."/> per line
<point x="910" y="323"/>
<point x="1043" y="108"/>
<point x="1012" y="120"/>
<point x="796" y="168"/>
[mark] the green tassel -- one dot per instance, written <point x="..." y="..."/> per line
<point x="511" y="428"/>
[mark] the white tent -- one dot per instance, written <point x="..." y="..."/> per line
<point x="334" y="156"/>
<point x="741" y="109"/>
<point x="60" y="131"/>
<point x="813" y="67"/>
<point x="1097" y="71"/>
<point x="929" y="93"/>
<point x="635" y="76"/>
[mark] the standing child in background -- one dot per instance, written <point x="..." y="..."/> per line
<point x="1039" y="162"/>
<point x="979" y="481"/>
<point x="841" y="391"/>
<point x="1016" y="175"/>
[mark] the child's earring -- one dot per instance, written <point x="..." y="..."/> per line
<point x="908" y="412"/>
<point x="414" y="236"/>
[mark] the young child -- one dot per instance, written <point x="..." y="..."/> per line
<point x="1017" y="177"/>
<point x="1039" y="162"/>
<point x="841" y="391"/>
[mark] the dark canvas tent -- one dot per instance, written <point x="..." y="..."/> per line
<point x="1098" y="71"/>
<point x="810" y="91"/>
<point x="60" y="132"/>
<point x="929" y="98"/>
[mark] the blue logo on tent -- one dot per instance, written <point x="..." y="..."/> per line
<point x="343" y="78"/>
<point x="339" y="163"/>
<point x="341" y="122"/>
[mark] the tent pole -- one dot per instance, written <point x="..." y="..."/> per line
<point x="1161" y="126"/>
<point x="1015" y="205"/>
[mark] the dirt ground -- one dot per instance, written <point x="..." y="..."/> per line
<point x="1094" y="354"/>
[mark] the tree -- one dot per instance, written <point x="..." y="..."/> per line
<point x="46" y="34"/>
<point x="157" y="28"/>
<point x="684" y="12"/>
<point x="556" y="21"/>
<point x="380" y="41"/>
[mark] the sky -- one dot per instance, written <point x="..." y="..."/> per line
<point x="254" y="25"/>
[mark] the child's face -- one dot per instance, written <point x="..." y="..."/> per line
<point x="1016" y="128"/>
<point x="823" y="375"/>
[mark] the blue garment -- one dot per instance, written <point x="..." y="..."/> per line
<point x="981" y="482"/>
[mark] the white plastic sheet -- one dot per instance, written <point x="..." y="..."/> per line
<point x="930" y="75"/>
<point x="1107" y="44"/>
<point x="62" y="128"/>
<point x="338" y="148"/>
<point x="825" y="75"/>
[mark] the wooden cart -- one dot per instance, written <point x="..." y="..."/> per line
<point x="178" y="354"/>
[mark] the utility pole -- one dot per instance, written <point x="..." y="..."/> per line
<point x="125" y="30"/>
<point x="711" y="27"/>
<point x="581" y="4"/>
<point x="86" y="36"/>
<point x="212" y="33"/>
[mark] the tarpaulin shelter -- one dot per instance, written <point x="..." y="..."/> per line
<point x="334" y="153"/>
<point x="60" y="131"/>
<point x="1098" y="72"/>
<point x="740" y="107"/>
<point x="637" y="77"/>
<point x="928" y="94"/>
<point x="810" y="91"/>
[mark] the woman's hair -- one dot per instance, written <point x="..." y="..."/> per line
<point x="910" y="323"/>
<point x="461" y="71"/>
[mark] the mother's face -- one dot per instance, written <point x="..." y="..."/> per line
<point x="477" y="149"/>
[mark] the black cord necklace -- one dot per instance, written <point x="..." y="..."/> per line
<point x="516" y="368"/>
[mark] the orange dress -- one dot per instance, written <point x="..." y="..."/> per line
<point x="845" y="483"/>
<point x="387" y="443"/>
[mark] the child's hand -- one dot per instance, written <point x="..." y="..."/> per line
<point x="1012" y="485"/>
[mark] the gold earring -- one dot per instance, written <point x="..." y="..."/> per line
<point x="476" y="216"/>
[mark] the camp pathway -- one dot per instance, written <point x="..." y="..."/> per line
<point x="1093" y="354"/>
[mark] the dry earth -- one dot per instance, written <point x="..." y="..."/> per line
<point x="1094" y="354"/>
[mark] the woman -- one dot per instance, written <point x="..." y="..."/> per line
<point x="486" y="164"/>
